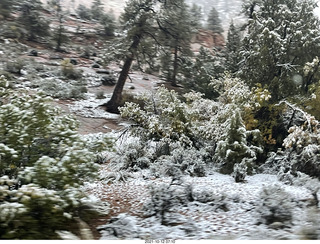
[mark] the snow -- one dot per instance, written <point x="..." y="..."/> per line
<point x="197" y="220"/>
<point x="91" y="107"/>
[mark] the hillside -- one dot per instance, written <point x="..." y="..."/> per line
<point x="176" y="165"/>
<point x="228" y="9"/>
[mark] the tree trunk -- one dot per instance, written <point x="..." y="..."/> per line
<point x="113" y="104"/>
<point x="175" y="67"/>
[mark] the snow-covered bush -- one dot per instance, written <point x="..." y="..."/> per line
<point x="68" y="70"/>
<point x="164" y="116"/>
<point x="275" y="205"/>
<point x="65" y="90"/>
<point x="43" y="164"/>
<point x="302" y="151"/>
<point x="164" y="198"/>
<point x="181" y="161"/>
<point x="133" y="155"/>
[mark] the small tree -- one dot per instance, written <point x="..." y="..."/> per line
<point x="97" y="9"/>
<point x="196" y="16"/>
<point x="214" y="22"/>
<point x="233" y="48"/>
<point x="59" y="35"/>
<point x="108" y="23"/>
<point x="84" y="12"/>
<point x="235" y="148"/>
<point x="200" y="73"/>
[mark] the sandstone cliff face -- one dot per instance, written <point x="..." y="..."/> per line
<point x="207" y="39"/>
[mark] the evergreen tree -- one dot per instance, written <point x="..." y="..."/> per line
<point x="214" y="22"/>
<point x="232" y="49"/>
<point x="200" y="73"/>
<point x="97" y="9"/>
<point x="176" y="32"/>
<point x="84" y="12"/>
<point x="59" y="35"/>
<point x="138" y="20"/>
<point x="6" y="7"/>
<point x="43" y="166"/>
<point x="32" y="21"/>
<point x="108" y="23"/>
<point x="235" y="149"/>
<point x="196" y="16"/>
<point x="281" y="37"/>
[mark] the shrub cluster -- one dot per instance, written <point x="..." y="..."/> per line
<point x="43" y="164"/>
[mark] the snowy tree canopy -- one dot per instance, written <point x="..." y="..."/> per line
<point x="281" y="37"/>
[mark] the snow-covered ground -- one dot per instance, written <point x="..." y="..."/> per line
<point x="231" y="210"/>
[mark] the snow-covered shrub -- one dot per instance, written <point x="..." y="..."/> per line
<point x="236" y="148"/>
<point x="43" y="164"/>
<point x="240" y="171"/>
<point x="302" y="148"/>
<point x="133" y="155"/>
<point x="15" y="66"/>
<point x="68" y="70"/>
<point x="164" y="198"/>
<point x="65" y="90"/>
<point x="181" y="161"/>
<point x="218" y="201"/>
<point x="275" y="205"/>
<point x="164" y="117"/>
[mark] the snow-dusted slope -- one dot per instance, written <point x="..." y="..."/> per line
<point x="234" y="211"/>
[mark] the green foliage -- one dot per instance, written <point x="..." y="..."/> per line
<point x="108" y="23"/>
<point x="196" y="16"/>
<point x="303" y="143"/>
<point x="84" y="12"/>
<point x="270" y="123"/>
<point x="32" y="21"/>
<point x="6" y="7"/>
<point x="164" y="117"/>
<point x="232" y="49"/>
<point x="59" y="34"/>
<point x="176" y="29"/>
<point x="239" y="146"/>
<point x="97" y="9"/>
<point x="214" y="22"/>
<point x="15" y="66"/>
<point x="200" y="73"/>
<point x="275" y="206"/>
<point x="282" y="37"/>
<point x="43" y="164"/>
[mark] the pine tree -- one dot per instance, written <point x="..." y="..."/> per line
<point x="84" y="12"/>
<point x="281" y="37"/>
<point x="138" y="19"/>
<point x="108" y="23"/>
<point x="214" y="22"/>
<point x="59" y="34"/>
<point x="232" y="49"/>
<point x="176" y="32"/>
<point x="97" y="9"/>
<point x="235" y="148"/>
<point x="32" y="21"/>
<point x="196" y="16"/>
<point x="200" y="73"/>
<point x="6" y="7"/>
